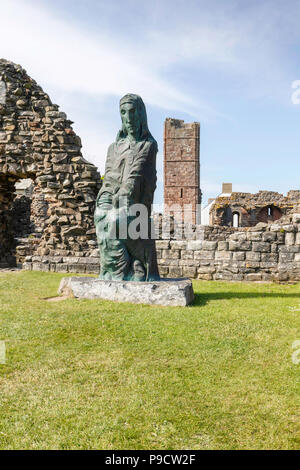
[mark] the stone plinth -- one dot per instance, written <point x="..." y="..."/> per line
<point x="169" y="292"/>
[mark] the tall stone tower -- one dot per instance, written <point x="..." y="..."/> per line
<point x="182" y="168"/>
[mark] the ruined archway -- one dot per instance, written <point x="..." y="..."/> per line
<point x="37" y="141"/>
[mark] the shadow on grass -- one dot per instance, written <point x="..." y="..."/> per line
<point x="203" y="299"/>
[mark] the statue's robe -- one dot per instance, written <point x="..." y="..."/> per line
<point x="130" y="174"/>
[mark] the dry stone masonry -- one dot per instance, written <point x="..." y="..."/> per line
<point x="37" y="141"/>
<point x="266" y="252"/>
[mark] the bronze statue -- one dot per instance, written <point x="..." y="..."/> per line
<point x="129" y="179"/>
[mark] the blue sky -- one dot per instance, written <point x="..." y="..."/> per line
<point x="228" y="64"/>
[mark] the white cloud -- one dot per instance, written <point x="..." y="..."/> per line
<point x="59" y="54"/>
<point x="67" y="55"/>
<point x="249" y="44"/>
<point x="215" y="39"/>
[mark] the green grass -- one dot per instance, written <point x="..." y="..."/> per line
<point x="102" y="375"/>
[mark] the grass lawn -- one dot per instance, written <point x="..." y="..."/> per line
<point x="94" y="374"/>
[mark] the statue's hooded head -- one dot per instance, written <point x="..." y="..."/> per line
<point x="140" y="115"/>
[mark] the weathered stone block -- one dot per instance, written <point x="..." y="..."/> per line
<point x="175" y="272"/>
<point x="269" y="257"/>
<point x="238" y="277"/>
<point x="223" y="276"/>
<point x="288" y="228"/>
<point x="269" y="236"/>
<point x="71" y="259"/>
<point x="252" y="264"/>
<point x="40" y="267"/>
<point x="168" y="262"/>
<point x="92" y="268"/>
<point x="189" y="271"/>
<point x="290" y="238"/>
<point x="206" y="269"/>
<point x="187" y="254"/>
<point x="267" y="277"/>
<point x="240" y="246"/>
<point x="77" y="268"/>
<point x="27" y="266"/>
<point x="286" y="257"/>
<point x="199" y="255"/>
<point x="268" y="265"/>
<point x="62" y="268"/>
<point x="194" y="245"/>
<point x="289" y="249"/>
<point x="178" y="244"/>
<point x="296" y="218"/>
<point x="223" y="246"/>
<point x="187" y="262"/>
<point x="261" y="226"/>
<point x="275" y="227"/>
<point x="282" y="276"/>
<point x="170" y="254"/>
<point x="205" y="277"/>
<point x="223" y="255"/>
<point x="209" y="246"/>
<point x="239" y="255"/>
<point x="163" y="270"/>
<point x="253" y="277"/>
<point x="162" y="244"/>
<point x="89" y="260"/>
<point x="238" y="236"/>
<point x="253" y="256"/>
<point x="261" y="246"/>
<point x="169" y="292"/>
<point x="254" y="236"/>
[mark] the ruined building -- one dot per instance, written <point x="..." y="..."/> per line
<point x="247" y="210"/>
<point x="37" y="142"/>
<point x="182" y="169"/>
<point x="51" y="228"/>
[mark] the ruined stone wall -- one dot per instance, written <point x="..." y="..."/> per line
<point x="265" y="206"/>
<point x="181" y="166"/>
<point x="37" y="141"/>
<point x="267" y="252"/>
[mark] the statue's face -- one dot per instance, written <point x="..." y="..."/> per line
<point x="130" y="119"/>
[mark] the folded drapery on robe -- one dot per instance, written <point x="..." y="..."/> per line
<point x="130" y="176"/>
